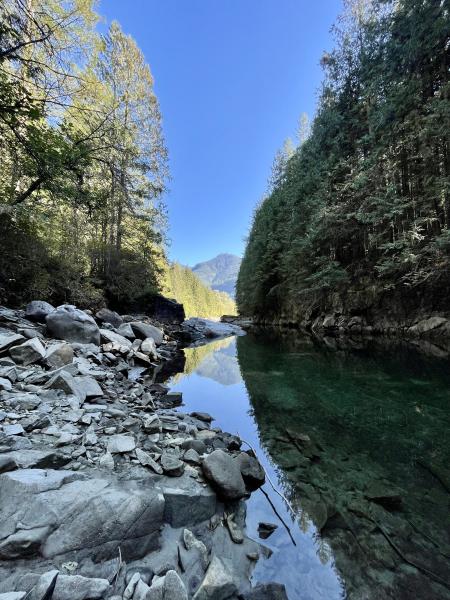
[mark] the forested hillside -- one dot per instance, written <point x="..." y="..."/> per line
<point x="357" y="218"/>
<point x="83" y="160"/>
<point x="197" y="298"/>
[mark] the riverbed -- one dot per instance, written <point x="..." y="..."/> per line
<point x="356" y="439"/>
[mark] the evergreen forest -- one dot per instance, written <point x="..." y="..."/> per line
<point x="357" y="214"/>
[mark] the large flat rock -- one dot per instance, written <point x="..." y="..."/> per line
<point x="51" y="513"/>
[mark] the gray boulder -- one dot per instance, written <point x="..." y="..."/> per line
<point x="202" y="416"/>
<point x="10" y="339"/>
<point x="196" y="445"/>
<point x="126" y="331"/>
<point x="224" y="475"/>
<point x="147" y="461"/>
<point x="169" y="587"/>
<point x="36" y="421"/>
<point x="251" y="471"/>
<point x="148" y="347"/>
<point x="191" y="456"/>
<point x="70" y="587"/>
<point x="68" y="384"/>
<point x="118" y="444"/>
<point x="73" y="325"/>
<point x="7" y="463"/>
<point x="218" y="583"/>
<point x="197" y="328"/>
<point x="173" y="587"/>
<point x="193" y="560"/>
<point x="172" y="465"/>
<point x="5" y="385"/>
<point x="145" y="330"/>
<point x="105" y="315"/>
<point x="107" y="461"/>
<point x="187" y="502"/>
<point x="115" y="338"/>
<point x="40" y="459"/>
<point x="88" y="387"/>
<point x="38" y="310"/>
<point x="59" y="355"/>
<point x="13" y="442"/>
<point x="91" y="517"/>
<point x="14" y="429"/>
<point x="28" y="353"/>
<point x="152" y="424"/>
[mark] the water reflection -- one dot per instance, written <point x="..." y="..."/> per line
<point x="216" y="360"/>
<point x="358" y="442"/>
<point x="306" y="568"/>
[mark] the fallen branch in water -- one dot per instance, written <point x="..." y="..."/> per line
<point x="289" y="505"/>
<point x="278" y="514"/>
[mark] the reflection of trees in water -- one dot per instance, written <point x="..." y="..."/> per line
<point x="360" y="411"/>
<point x="215" y="360"/>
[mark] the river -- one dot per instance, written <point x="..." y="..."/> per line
<point x="357" y="440"/>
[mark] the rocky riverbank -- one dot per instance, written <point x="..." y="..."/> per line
<point x="430" y="334"/>
<point x="106" y="490"/>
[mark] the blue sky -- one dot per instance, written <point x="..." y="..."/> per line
<point x="232" y="78"/>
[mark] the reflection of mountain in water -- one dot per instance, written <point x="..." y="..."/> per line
<point x="362" y="444"/>
<point x="216" y="360"/>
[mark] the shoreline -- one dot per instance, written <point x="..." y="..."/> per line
<point x="430" y="335"/>
<point x="108" y="490"/>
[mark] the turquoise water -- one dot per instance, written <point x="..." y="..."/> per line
<point x="357" y="440"/>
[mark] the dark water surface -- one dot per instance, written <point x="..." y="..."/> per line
<point x="358" y="441"/>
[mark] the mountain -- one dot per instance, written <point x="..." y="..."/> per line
<point x="220" y="273"/>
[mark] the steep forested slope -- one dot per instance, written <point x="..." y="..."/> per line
<point x="357" y="219"/>
<point x="197" y="298"/>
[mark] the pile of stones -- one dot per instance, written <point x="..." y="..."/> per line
<point x="107" y="490"/>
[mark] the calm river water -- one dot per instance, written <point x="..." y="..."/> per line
<point x="357" y="440"/>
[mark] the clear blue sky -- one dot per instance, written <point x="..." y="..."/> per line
<point x="232" y="78"/>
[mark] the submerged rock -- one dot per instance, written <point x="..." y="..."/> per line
<point x="267" y="591"/>
<point x="266" y="529"/>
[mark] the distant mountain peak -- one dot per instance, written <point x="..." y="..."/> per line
<point x="219" y="273"/>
